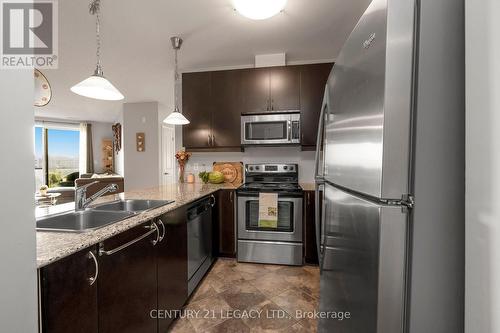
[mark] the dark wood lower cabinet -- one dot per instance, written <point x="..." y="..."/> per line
<point x="68" y="299"/>
<point x="172" y="266"/>
<point x="136" y="277"/>
<point x="310" y="248"/>
<point x="128" y="283"/>
<point x="225" y="225"/>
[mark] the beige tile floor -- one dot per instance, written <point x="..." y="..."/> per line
<point x="271" y="294"/>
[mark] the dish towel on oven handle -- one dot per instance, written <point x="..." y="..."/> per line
<point x="268" y="210"/>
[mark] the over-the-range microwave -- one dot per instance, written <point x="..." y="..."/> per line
<point x="270" y="128"/>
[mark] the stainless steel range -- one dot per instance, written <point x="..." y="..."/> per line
<point x="280" y="245"/>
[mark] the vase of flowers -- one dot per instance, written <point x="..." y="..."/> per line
<point x="182" y="157"/>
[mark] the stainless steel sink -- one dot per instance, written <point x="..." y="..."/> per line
<point x="132" y="205"/>
<point x="81" y="221"/>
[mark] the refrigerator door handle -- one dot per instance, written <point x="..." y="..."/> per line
<point x="317" y="175"/>
<point x="317" y="219"/>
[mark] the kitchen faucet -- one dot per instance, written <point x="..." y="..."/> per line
<point x="81" y="200"/>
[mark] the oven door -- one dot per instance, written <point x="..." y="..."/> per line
<point x="270" y="129"/>
<point x="289" y="220"/>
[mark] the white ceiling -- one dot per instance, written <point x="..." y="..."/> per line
<point x="137" y="56"/>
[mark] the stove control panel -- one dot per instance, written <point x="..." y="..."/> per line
<point x="271" y="168"/>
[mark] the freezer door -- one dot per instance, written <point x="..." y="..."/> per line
<point x="367" y="132"/>
<point x="363" y="265"/>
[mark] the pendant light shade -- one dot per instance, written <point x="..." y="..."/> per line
<point x="97" y="86"/>
<point x="176" y="118"/>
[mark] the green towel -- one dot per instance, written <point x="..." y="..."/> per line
<point x="268" y="210"/>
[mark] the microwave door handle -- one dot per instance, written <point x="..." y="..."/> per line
<point x="317" y="175"/>
<point x="289" y="124"/>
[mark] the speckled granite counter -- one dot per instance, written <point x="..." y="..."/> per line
<point x="307" y="186"/>
<point x="52" y="246"/>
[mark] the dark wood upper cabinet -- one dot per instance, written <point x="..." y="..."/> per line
<point x="256" y="83"/>
<point x="214" y="102"/>
<point x="285" y="88"/>
<point x="224" y="224"/>
<point x="227" y="101"/>
<point x="197" y="108"/>
<point x="313" y="79"/>
<point x="128" y="283"/>
<point x="68" y="299"/>
<point x="172" y="259"/>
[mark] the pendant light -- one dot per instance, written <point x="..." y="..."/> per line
<point x="176" y="118"/>
<point x="97" y="86"/>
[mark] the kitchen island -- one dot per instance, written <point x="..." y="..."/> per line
<point x="52" y="246"/>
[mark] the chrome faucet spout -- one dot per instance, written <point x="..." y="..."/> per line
<point x="81" y="200"/>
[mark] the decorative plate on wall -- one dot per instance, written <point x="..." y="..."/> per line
<point x="43" y="92"/>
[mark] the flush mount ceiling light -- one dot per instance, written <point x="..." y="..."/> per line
<point x="176" y="118"/>
<point x="97" y="86"/>
<point x="259" y="9"/>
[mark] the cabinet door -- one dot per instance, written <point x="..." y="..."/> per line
<point x="256" y="90"/>
<point x="310" y="248"/>
<point x="227" y="100"/>
<point x="172" y="258"/>
<point x="312" y="87"/>
<point x="225" y="223"/>
<point x="68" y="296"/>
<point x="196" y="107"/>
<point x="128" y="283"/>
<point x="285" y="88"/>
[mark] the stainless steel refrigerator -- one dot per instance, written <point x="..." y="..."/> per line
<point x="389" y="173"/>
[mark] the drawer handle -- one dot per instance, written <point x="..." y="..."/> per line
<point x="163" y="230"/>
<point x="153" y="227"/>
<point x="93" y="279"/>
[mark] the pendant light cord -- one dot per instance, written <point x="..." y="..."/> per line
<point x="176" y="82"/>
<point x="95" y="9"/>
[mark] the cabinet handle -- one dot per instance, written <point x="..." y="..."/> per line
<point x="213" y="200"/>
<point x="93" y="279"/>
<point x="272" y="104"/>
<point x="153" y="227"/>
<point x="163" y="230"/>
<point x="208" y="142"/>
<point x="231" y="196"/>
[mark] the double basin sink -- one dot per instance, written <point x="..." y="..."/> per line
<point x="98" y="216"/>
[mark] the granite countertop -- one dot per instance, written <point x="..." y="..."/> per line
<point x="307" y="186"/>
<point x="52" y="246"/>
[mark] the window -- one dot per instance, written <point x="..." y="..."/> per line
<point x="57" y="150"/>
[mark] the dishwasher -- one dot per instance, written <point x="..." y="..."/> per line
<point x="199" y="231"/>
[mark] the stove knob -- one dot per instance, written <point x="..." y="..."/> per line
<point x="291" y="167"/>
<point x="250" y="168"/>
<point x="285" y="167"/>
<point x="257" y="167"/>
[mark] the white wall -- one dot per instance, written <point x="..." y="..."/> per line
<point x="18" y="298"/>
<point x="482" y="291"/>
<point x="305" y="159"/>
<point x="140" y="169"/>
<point x="100" y="131"/>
